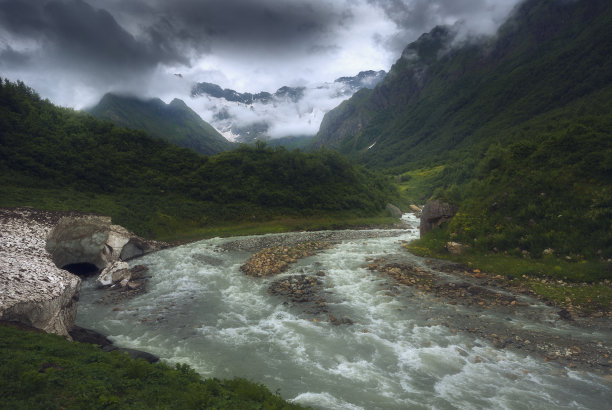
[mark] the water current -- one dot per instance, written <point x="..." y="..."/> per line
<point x="202" y="310"/>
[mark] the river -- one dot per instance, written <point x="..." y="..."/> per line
<point x="202" y="310"/>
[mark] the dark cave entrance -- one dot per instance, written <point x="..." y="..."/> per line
<point x="83" y="269"/>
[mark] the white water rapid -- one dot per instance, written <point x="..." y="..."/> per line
<point x="202" y="310"/>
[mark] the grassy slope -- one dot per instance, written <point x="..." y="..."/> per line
<point x="174" y="122"/>
<point x="45" y="371"/>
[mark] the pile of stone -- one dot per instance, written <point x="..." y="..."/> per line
<point x="299" y="289"/>
<point x="460" y="292"/>
<point x="272" y="261"/>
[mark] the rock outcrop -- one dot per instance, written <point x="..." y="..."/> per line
<point x="435" y="213"/>
<point x="36" y="246"/>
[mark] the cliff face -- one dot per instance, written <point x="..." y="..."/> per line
<point x="35" y="246"/>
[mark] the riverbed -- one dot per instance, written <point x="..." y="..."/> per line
<point x="390" y="347"/>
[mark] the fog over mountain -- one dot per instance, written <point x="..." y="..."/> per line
<point x="75" y="51"/>
<point x="290" y="111"/>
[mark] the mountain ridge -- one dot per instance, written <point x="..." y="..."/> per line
<point x="515" y="129"/>
<point x="174" y="122"/>
<point x="287" y="112"/>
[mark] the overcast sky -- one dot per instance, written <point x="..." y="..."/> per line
<point x="73" y="51"/>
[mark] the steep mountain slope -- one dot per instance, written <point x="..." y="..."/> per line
<point x="288" y="112"/>
<point x="174" y="122"/>
<point x="517" y="127"/>
<point x="443" y="95"/>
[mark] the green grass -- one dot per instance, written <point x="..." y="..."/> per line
<point x="45" y="371"/>
<point x="416" y="185"/>
<point x="581" y="284"/>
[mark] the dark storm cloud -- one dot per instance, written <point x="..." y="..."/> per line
<point x="75" y="50"/>
<point x="11" y="58"/>
<point x="73" y="32"/>
<point x="242" y="24"/>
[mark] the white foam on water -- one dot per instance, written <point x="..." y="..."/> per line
<point x="324" y="401"/>
<point x="225" y="324"/>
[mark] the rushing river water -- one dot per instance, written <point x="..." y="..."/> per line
<point x="202" y="310"/>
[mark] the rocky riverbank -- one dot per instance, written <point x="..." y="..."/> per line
<point x="483" y="305"/>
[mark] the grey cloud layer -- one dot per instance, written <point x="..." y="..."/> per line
<point x="75" y="33"/>
<point x="106" y="44"/>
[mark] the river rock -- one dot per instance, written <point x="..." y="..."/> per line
<point x="435" y="213"/>
<point x="117" y="272"/>
<point x="394" y="211"/>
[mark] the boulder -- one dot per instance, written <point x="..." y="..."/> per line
<point x="394" y="211"/>
<point x="455" y="248"/>
<point x="83" y="335"/>
<point x="435" y="213"/>
<point x="116" y="272"/>
<point x="415" y="209"/>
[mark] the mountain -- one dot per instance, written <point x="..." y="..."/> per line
<point x="174" y="122"/>
<point x="56" y="158"/>
<point x="445" y="94"/>
<point x="516" y="129"/>
<point x="288" y="112"/>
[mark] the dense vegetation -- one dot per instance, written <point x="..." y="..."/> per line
<point x="174" y="122"/>
<point x="517" y="130"/>
<point x="56" y="158"/>
<point x="45" y="371"/>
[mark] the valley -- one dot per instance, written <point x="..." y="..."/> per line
<point x="434" y="235"/>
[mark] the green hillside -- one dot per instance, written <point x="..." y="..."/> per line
<point x="518" y="129"/>
<point x="174" y="122"/>
<point x="46" y="371"/>
<point x="56" y="158"/>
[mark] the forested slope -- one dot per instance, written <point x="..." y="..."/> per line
<point x="56" y="158"/>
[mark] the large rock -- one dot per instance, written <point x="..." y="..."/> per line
<point x="394" y="211"/>
<point x="435" y="213"/>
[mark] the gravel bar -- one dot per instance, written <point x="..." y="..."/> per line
<point x="257" y="243"/>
